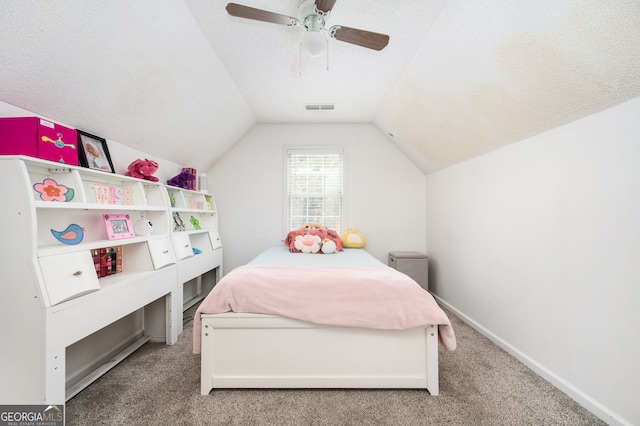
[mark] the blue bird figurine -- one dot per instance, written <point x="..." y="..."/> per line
<point x="72" y="235"/>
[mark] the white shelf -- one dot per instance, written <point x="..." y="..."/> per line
<point x="194" y="211"/>
<point x="110" y="285"/>
<point x="52" y="288"/>
<point x="192" y="231"/>
<point x="61" y="248"/>
<point x="93" y="206"/>
<point x="201" y="206"/>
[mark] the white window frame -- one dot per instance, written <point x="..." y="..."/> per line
<point x="321" y="150"/>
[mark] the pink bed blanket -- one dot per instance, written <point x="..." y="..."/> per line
<point x="368" y="296"/>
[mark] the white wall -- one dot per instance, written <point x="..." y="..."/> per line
<point x="384" y="190"/>
<point x="538" y="245"/>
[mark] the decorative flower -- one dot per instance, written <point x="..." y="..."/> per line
<point x="50" y="190"/>
<point x="307" y="243"/>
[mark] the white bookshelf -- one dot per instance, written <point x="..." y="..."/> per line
<point x="52" y="296"/>
<point x="195" y="226"/>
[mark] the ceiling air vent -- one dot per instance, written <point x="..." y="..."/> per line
<point x="319" y="107"/>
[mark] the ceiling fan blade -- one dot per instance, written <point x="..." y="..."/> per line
<point x="362" y="38"/>
<point x="247" y="12"/>
<point x="325" y="6"/>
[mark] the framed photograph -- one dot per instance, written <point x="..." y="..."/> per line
<point x="93" y="152"/>
<point x="118" y="226"/>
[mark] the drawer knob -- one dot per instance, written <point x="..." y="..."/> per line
<point x="165" y="252"/>
<point x="76" y="273"/>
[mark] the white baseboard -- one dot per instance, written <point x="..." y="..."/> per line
<point x="599" y="410"/>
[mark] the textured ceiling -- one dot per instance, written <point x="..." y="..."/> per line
<point x="259" y="56"/>
<point x="184" y="81"/>
<point x="494" y="72"/>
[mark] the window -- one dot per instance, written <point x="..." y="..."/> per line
<point x="314" y="187"/>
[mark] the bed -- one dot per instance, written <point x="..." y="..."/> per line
<point x="341" y="320"/>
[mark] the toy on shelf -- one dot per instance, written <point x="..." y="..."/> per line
<point x="182" y="180"/>
<point x="191" y="183"/>
<point x="143" y="169"/>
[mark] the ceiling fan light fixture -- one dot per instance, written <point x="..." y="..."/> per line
<point x="314" y="43"/>
<point x="312" y="15"/>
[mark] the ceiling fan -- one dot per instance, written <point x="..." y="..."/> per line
<point x="312" y="14"/>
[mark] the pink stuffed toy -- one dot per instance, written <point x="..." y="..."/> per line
<point x="143" y="169"/>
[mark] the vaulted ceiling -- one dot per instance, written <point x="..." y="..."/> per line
<point x="183" y="80"/>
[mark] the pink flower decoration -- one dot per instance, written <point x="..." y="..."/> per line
<point x="50" y="190"/>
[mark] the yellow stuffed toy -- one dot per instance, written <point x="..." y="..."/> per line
<point x="353" y="239"/>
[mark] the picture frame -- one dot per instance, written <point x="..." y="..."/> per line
<point x="93" y="152"/>
<point x="118" y="226"/>
<point x="178" y="224"/>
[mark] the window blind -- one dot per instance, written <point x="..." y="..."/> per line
<point x="315" y="188"/>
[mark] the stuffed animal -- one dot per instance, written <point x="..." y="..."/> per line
<point x="328" y="246"/>
<point x="315" y="234"/>
<point x="143" y="169"/>
<point x="353" y="239"/>
<point x="310" y="225"/>
<point x="182" y="180"/>
<point x="307" y="243"/>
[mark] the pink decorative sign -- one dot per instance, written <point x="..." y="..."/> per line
<point x="107" y="194"/>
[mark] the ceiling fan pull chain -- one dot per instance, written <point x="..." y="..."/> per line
<point x="327" y="55"/>
<point x="300" y="59"/>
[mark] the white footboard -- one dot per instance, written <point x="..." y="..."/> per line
<point x="266" y="351"/>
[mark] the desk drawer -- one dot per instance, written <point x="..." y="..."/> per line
<point x="161" y="253"/>
<point x="183" y="246"/>
<point x="68" y="275"/>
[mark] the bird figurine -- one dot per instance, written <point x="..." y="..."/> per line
<point x="72" y="235"/>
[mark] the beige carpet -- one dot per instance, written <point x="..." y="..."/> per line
<point x="480" y="384"/>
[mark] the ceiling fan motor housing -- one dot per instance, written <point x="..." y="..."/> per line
<point x="311" y="18"/>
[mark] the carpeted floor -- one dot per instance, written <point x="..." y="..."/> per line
<point x="480" y="384"/>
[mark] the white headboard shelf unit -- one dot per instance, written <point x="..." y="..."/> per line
<point x="197" y="243"/>
<point x="53" y="227"/>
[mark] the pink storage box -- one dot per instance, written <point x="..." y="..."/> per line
<point x="39" y="138"/>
